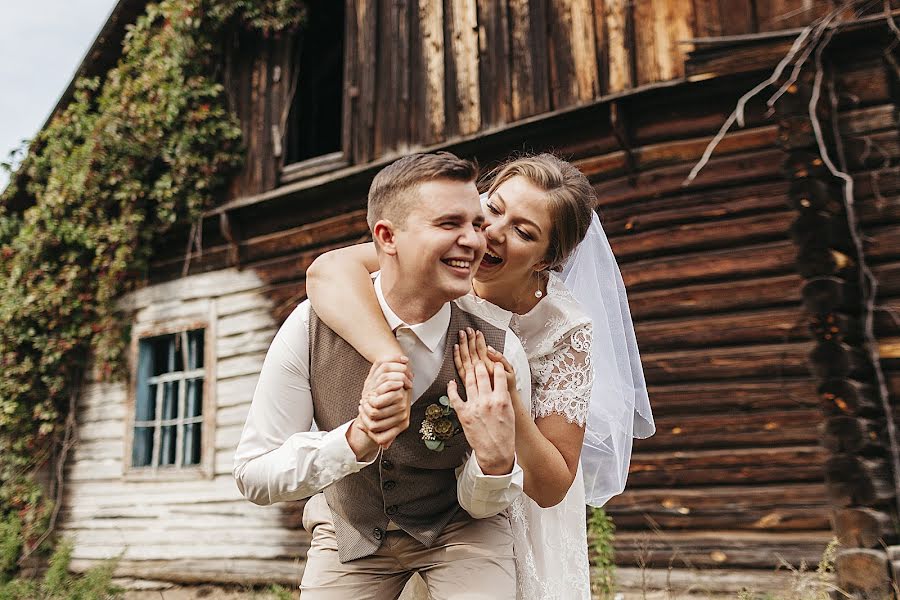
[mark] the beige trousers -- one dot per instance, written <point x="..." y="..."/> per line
<point x="470" y="560"/>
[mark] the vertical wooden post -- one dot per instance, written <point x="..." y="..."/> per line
<point x="858" y="476"/>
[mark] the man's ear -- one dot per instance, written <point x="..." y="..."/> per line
<point x="383" y="234"/>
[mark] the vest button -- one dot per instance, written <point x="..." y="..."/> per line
<point x="387" y="465"/>
<point x="389" y="485"/>
<point x="391" y="510"/>
<point x="378" y="533"/>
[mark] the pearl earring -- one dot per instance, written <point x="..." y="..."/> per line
<point x="538" y="294"/>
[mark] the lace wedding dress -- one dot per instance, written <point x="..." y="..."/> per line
<point x="551" y="543"/>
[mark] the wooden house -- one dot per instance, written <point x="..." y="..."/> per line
<point x="772" y="435"/>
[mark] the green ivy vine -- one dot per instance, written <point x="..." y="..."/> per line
<point x="149" y="144"/>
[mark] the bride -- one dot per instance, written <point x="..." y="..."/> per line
<point x="550" y="272"/>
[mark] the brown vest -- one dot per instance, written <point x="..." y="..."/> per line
<point x="410" y="485"/>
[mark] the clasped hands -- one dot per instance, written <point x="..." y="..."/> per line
<point x="486" y="417"/>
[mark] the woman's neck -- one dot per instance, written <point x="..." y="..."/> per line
<point x="517" y="297"/>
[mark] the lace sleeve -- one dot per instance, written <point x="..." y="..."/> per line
<point x="562" y="378"/>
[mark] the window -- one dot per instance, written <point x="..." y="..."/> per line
<point x="313" y="137"/>
<point x="170" y="421"/>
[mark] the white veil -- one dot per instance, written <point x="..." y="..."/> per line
<point x="619" y="406"/>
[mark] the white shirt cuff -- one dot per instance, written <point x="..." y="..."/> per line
<point x="494" y="482"/>
<point x="335" y="449"/>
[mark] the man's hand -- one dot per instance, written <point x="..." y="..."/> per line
<point x="383" y="408"/>
<point x="487" y="417"/>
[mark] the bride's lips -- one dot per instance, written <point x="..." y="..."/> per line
<point x="491" y="259"/>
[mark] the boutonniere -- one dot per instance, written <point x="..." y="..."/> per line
<point x="440" y="424"/>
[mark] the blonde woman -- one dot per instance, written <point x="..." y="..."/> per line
<point x="574" y="435"/>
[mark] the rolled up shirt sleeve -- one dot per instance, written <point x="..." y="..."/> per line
<point x="483" y="495"/>
<point x="278" y="457"/>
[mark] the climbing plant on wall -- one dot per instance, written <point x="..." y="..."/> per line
<point x="148" y="145"/>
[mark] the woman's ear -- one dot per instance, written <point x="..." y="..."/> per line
<point x="541" y="266"/>
<point x="383" y="235"/>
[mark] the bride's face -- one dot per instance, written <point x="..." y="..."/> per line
<point x="517" y="227"/>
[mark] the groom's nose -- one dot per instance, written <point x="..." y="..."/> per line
<point x="473" y="238"/>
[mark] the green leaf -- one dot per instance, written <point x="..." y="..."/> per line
<point x="436" y="445"/>
<point x="445" y="400"/>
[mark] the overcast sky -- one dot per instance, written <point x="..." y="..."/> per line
<point x="42" y="42"/>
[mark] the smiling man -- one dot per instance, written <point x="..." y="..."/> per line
<point x="409" y="484"/>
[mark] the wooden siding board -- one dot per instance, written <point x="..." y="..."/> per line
<point x="659" y="26"/>
<point x="773" y="15"/>
<point x="430" y="105"/>
<point x="738" y="16"/>
<point x="463" y="94"/>
<point x="572" y="53"/>
<point x="364" y="52"/>
<point x="620" y="43"/>
<point x="493" y="62"/>
<point x="528" y="58"/>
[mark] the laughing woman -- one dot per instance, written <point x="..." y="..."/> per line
<point x="545" y="248"/>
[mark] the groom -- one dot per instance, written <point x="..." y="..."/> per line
<point x="409" y="485"/>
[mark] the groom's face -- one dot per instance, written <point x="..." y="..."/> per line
<point x="442" y="242"/>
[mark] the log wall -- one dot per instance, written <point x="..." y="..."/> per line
<point x="420" y="73"/>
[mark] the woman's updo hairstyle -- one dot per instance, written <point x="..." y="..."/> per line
<point x="570" y="194"/>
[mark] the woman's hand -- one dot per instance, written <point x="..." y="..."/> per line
<point x="472" y="348"/>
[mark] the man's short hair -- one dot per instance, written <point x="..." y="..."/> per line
<point x="394" y="190"/>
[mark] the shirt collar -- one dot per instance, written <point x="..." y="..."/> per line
<point x="430" y="333"/>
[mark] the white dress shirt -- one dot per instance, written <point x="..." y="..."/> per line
<point x="280" y="457"/>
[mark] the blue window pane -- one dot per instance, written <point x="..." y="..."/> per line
<point x="170" y="400"/>
<point x="142" y="451"/>
<point x="194" y="402"/>
<point x="191" y="449"/>
<point x="195" y="349"/>
<point x="167" y="446"/>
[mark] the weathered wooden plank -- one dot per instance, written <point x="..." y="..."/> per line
<point x="248" y="342"/>
<point x="736" y="430"/>
<point x="236" y="391"/>
<point x="759" y="550"/>
<point x="659" y="25"/>
<point x="688" y="399"/>
<point x="350" y="225"/>
<point x="708" y="19"/>
<point x="728" y="363"/>
<point x="882" y="243"/>
<point x="119" y="493"/>
<point x="716" y="297"/>
<point x="243" y="571"/>
<point x="463" y="88"/>
<point x="773" y="15"/>
<point x="727" y="233"/>
<point x="431" y="77"/>
<point x="738" y="16"/>
<point x="769" y="508"/>
<point x="238" y="366"/>
<point x="191" y="551"/>
<point x="108" y="429"/>
<point x="245" y="322"/>
<point x="675" y="152"/>
<point x="756" y="327"/>
<point x="795" y="464"/>
<point x="391" y="107"/>
<point x="693" y="206"/>
<point x="493" y="62"/>
<point x="572" y="53"/>
<point x="207" y="285"/>
<point x="364" y="15"/>
<point x="730" y="170"/>
<point x="751" y="261"/>
<point x="619" y="19"/>
<point x="528" y="58"/>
